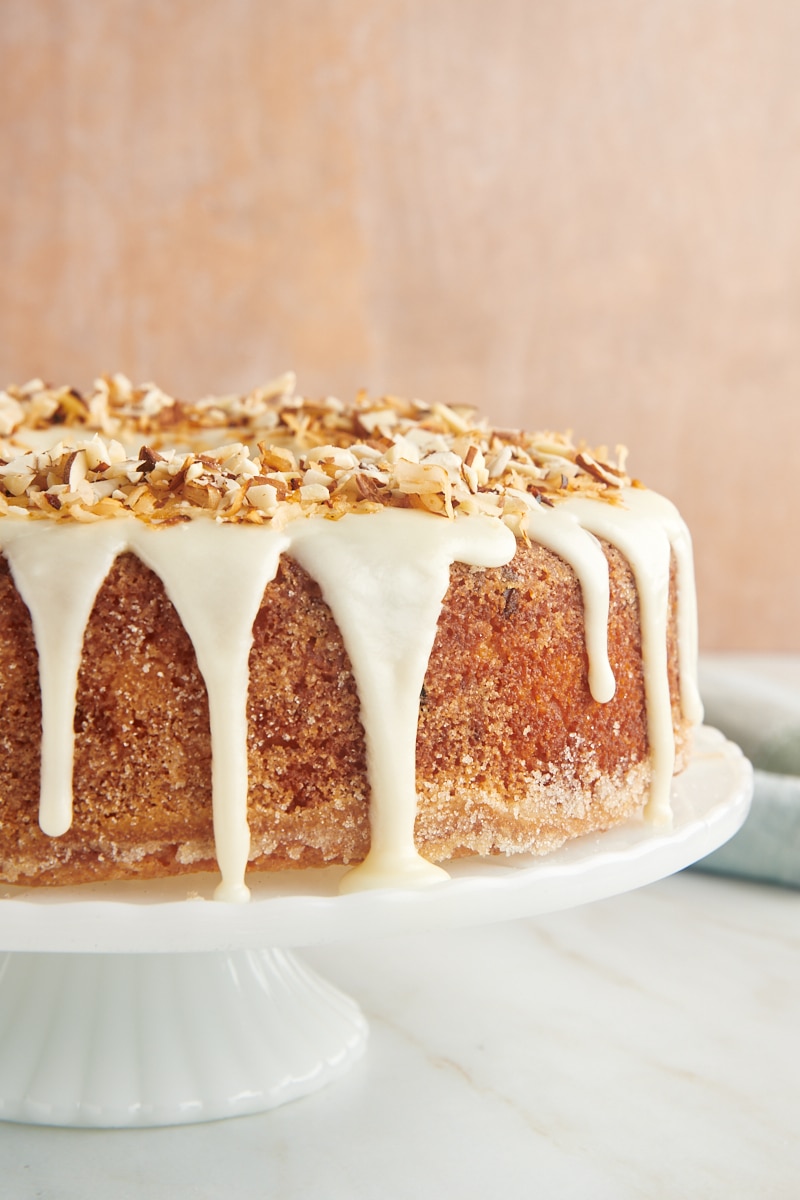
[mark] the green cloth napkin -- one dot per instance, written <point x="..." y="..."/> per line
<point x="755" y="701"/>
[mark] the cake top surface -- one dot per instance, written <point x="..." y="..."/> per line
<point x="271" y="456"/>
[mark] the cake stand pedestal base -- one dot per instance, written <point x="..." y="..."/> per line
<point x="133" y="1004"/>
<point x="121" y="1040"/>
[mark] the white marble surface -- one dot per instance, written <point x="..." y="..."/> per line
<point x="642" y="1046"/>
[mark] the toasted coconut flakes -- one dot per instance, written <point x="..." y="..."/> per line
<point x="379" y="421"/>
<point x="420" y="478"/>
<point x="319" y="457"/>
<point x="16" y="481"/>
<point x="452" y="420"/>
<point x="12" y="414"/>
<point x="273" y="458"/>
<point x="498" y="463"/>
<point x="364" y="453"/>
<point x="203" y="495"/>
<point x="599" y="470"/>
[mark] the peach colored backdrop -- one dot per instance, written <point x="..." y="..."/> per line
<point x="571" y="213"/>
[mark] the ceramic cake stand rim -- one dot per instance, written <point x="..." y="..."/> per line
<point x="104" y="1024"/>
<point x="711" y="799"/>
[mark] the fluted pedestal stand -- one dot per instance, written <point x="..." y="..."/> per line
<point x="166" y="1039"/>
<point x="144" y="1004"/>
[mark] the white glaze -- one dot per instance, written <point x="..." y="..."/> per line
<point x="658" y="509"/>
<point x="58" y="573"/>
<point x="215" y="576"/>
<point x="646" y="546"/>
<point x="559" y="530"/>
<point x="384" y="577"/>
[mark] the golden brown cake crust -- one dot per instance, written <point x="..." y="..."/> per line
<point x="512" y="752"/>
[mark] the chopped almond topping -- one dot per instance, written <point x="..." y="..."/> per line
<point x="369" y="488"/>
<point x="271" y="456"/>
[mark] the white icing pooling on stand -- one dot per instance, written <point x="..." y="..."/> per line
<point x="384" y="579"/>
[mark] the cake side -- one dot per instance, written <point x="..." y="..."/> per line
<point x="513" y="753"/>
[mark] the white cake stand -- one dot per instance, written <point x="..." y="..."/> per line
<point x="150" y="1004"/>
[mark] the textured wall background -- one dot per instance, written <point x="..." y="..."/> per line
<point x="573" y="213"/>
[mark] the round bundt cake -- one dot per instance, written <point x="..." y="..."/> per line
<point x="260" y="632"/>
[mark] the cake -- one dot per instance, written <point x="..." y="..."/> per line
<point x="260" y="632"/>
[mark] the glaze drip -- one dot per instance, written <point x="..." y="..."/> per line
<point x="58" y="573"/>
<point x="560" y="531"/>
<point x="216" y="582"/>
<point x="384" y="580"/>
<point x="646" y="545"/>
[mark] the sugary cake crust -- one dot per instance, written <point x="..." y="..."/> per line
<point x="512" y="753"/>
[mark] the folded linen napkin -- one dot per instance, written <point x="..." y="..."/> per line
<point x="755" y="701"/>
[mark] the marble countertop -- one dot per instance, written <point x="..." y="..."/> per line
<point x="642" y="1046"/>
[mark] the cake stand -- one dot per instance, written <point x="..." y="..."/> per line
<point x="143" y="1004"/>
